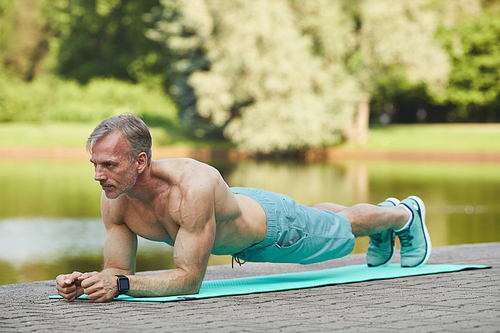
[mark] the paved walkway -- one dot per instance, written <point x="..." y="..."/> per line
<point x="467" y="301"/>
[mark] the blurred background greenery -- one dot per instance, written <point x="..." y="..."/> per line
<point x="265" y="76"/>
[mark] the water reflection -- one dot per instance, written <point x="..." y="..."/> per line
<point x="48" y="188"/>
<point x="49" y="211"/>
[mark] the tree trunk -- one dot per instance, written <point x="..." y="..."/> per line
<point x="359" y="131"/>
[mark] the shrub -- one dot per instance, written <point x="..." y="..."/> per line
<point x="48" y="99"/>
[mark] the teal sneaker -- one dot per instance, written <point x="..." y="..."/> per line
<point x="382" y="247"/>
<point x="415" y="240"/>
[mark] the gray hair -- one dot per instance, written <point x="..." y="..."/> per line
<point x="135" y="130"/>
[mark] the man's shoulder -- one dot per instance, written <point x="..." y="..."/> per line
<point x="176" y="163"/>
<point x="189" y="180"/>
<point x="182" y="171"/>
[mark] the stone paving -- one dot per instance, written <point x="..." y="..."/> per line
<point x="467" y="301"/>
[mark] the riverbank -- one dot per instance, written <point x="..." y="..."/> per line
<point x="208" y="154"/>
<point x="437" y="142"/>
<point x="465" y="301"/>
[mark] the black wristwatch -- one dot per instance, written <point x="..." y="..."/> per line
<point x="123" y="284"/>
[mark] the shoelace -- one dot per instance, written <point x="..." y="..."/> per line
<point x="405" y="238"/>
<point x="376" y="239"/>
<point x="237" y="259"/>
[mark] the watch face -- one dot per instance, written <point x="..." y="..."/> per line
<point x="123" y="284"/>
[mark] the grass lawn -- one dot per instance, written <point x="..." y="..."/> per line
<point x="442" y="137"/>
<point x="434" y="137"/>
<point x="59" y="135"/>
<point x="74" y="135"/>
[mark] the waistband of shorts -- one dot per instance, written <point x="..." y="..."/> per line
<point x="269" y="202"/>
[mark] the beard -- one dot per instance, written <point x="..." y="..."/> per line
<point x="113" y="191"/>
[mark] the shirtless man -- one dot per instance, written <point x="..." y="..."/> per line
<point x="188" y="205"/>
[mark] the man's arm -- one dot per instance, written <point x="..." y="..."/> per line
<point x="192" y="248"/>
<point x="120" y="249"/>
<point x="193" y="245"/>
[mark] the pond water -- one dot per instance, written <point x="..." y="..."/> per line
<point x="50" y="219"/>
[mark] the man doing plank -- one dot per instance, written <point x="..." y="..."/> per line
<point x="188" y="205"/>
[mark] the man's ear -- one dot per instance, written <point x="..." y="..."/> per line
<point x="142" y="162"/>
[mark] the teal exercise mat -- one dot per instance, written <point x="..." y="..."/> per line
<point x="300" y="280"/>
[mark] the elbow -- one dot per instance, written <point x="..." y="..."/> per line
<point x="184" y="289"/>
<point x="184" y="284"/>
<point x="193" y="288"/>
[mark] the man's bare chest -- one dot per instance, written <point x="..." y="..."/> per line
<point x="149" y="224"/>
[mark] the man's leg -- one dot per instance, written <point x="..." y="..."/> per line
<point x="406" y="219"/>
<point x="369" y="219"/>
<point x="382" y="247"/>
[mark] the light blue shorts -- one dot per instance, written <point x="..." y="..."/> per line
<point x="296" y="233"/>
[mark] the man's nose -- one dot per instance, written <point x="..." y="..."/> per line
<point x="99" y="173"/>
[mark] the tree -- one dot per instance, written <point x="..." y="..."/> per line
<point x="103" y="38"/>
<point x="83" y="40"/>
<point x="291" y="74"/>
<point x="234" y="76"/>
<point x="474" y="49"/>
<point x="24" y="35"/>
<point x="78" y="39"/>
<point x="396" y="45"/>
<point x="410" y="100"/>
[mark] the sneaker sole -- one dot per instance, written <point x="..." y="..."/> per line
<point x="428" y="244"/>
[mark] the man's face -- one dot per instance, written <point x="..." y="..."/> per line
<point x="113" y="169"/>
